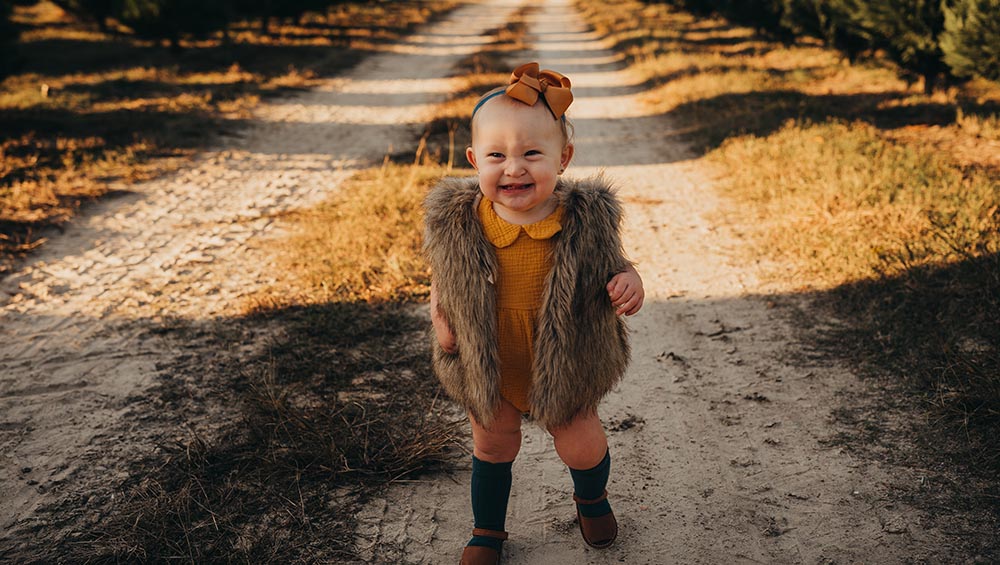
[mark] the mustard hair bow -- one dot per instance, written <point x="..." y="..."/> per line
<point x="527" y="83"/>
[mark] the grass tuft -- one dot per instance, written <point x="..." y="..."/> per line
<point x="361" y="245"/>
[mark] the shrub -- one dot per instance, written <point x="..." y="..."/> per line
<point x="971" y="38"/>
<point x="831" y="21"/>
<point x="908" y="32"/>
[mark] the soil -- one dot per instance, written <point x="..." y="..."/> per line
<point x="723" y="437"/>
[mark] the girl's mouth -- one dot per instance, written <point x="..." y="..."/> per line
<point x="514" y="187"/>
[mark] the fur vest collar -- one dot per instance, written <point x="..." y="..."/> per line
<point x="581" y="345"/>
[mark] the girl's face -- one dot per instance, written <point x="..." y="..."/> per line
<point x="519" y="152"/>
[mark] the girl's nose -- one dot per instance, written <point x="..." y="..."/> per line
<point x="514" y="168"/>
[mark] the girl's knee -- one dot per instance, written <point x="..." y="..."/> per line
<point x="500" y="442"/>
<point x="497" y="447"/>
<point x="581" y="443"/>
<point x="585" y="425"/>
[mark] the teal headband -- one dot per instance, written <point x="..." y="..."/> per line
<point x="498" y="93"/>
<point x="485" y="100"/>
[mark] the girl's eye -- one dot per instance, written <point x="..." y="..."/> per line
<point x="533" y="152"/>
<point x="495" y="155"/>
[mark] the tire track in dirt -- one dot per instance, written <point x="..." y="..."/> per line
<point x="79" y="321"/>
<point x="720" y="433"/>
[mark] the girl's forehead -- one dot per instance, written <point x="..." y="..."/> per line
<point x="516" y="118"/>
<point x="506" y="106"/>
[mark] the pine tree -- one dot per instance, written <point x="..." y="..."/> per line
<point x="971" y="38"/>
<point x="832" y="21"/>
<point x="696" y="7"/>
<point x="908" y="31"/>
<point x="764" y="15"/>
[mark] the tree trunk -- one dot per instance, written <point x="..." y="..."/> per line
<point x="175" y="43"/>
<point x="930" y="81"/>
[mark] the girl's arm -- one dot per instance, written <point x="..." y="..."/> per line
<point x="624" y="289"/>
<point x="442" y="329"/>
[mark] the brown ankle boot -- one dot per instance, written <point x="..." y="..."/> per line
<point x="479" y="555"/>
<point x="598" y="532"/>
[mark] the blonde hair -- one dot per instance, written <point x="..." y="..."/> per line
<point x="565" y="127"/>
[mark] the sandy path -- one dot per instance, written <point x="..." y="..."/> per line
<point x="75" y="342"/>
<point x="716" y="433"/>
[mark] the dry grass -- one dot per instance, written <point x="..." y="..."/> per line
<point x="361" y="245"/>
<point x="842" y="204"/>
<point x="315" y="425"/>
<point x="89" y="112"/>
<point x="881" y="200"/>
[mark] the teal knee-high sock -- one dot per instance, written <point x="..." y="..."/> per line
<point x="490" y="492"/>
<point x="590" y="484"/>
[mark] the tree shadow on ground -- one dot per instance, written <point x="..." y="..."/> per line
<point x="341" y="399"/>
<point x="264" y="457"/>
<point x="931" y="331"/>
<point x="710" y="121"/>
<point x="55" y="57"/>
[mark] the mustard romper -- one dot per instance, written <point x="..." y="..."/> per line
<point x="524" y="254"/>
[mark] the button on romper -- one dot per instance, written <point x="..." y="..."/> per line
<point x="524" y="254"/>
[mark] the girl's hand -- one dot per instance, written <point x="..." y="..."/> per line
<point x="442" y="329"/>
<point x="625" y="291"/>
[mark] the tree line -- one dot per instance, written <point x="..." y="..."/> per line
<point x="169" y="20"/>
<point x="940" y="41"/>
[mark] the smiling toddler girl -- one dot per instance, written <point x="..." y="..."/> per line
<point x="529" y="281"/>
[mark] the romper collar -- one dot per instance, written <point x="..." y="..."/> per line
<point x="502" y="233"/>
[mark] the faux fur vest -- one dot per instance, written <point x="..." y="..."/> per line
<point x="581" y="346"/>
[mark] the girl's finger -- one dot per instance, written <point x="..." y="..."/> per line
<point x="615" y="290"/>
<point x="626" y="305"/>
<point x="634" y="304"/>
<point x="620" y="300"/>
<point x="635" y="309"/>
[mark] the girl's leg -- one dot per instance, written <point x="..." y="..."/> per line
<point x="494" y="452"/>
<point x="582" y="445"/>
<point x="501" y="442"/>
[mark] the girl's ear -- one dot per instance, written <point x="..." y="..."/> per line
<point x="567" y="156"/>
<point x="470" y="156"/>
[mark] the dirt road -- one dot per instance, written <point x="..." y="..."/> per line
<point x="76" y="348"/>
<point x="720" y="432"/>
